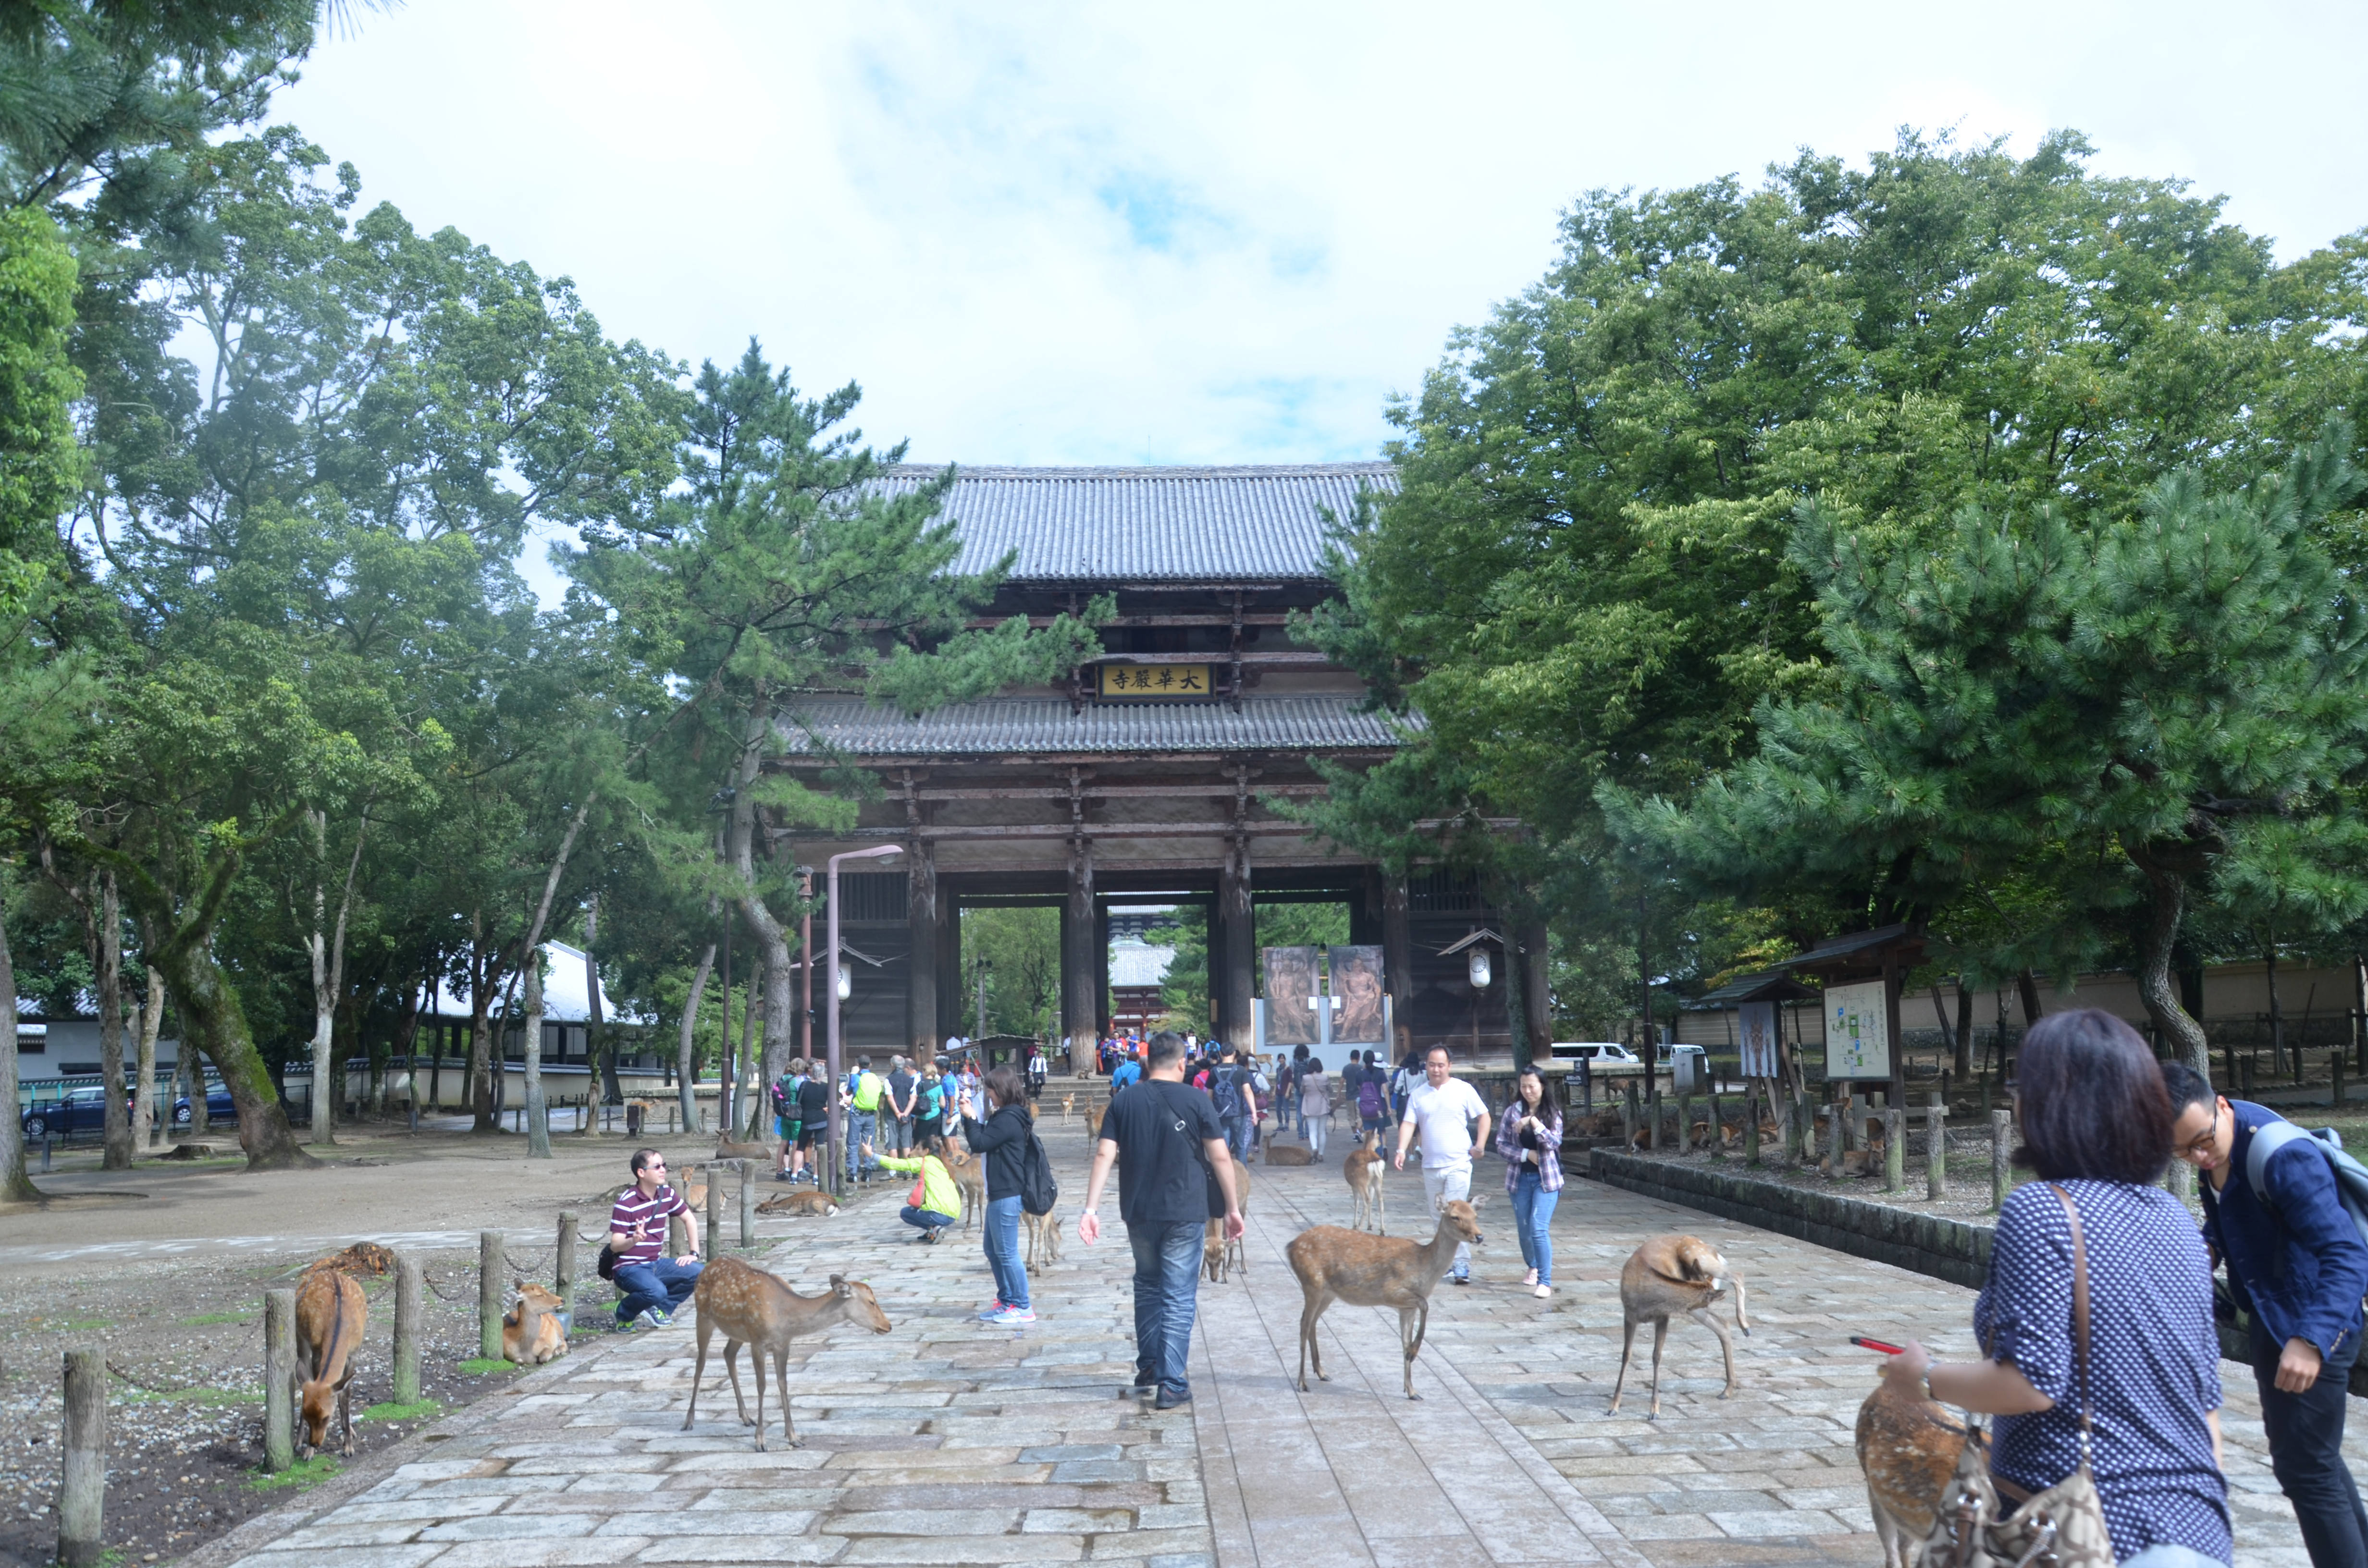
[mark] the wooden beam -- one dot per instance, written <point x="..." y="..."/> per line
<point x="1113" y="791"/>
<point x="943" y="759"/>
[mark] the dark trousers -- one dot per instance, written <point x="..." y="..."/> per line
<point x="2306" y="1433"/>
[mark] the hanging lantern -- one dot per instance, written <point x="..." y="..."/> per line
<point x="845" y="983"/>
<point x="1477" y="957"/>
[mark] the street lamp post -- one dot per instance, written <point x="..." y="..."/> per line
<point x="835" y="1155"/>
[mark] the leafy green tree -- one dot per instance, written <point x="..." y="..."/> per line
<point x="2169" y="707"/>
<point x="1020" y="950"/>
<point x="1586" y="578"/>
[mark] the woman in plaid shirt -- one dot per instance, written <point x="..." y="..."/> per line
<point x="1529" y="1137"/>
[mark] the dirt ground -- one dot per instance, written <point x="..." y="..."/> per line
<point x="166" y="1265"/>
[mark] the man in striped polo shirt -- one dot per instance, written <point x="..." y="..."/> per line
<point x="654" y="1284"/>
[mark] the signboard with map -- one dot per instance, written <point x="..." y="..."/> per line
<point x="1858" y="1039"/>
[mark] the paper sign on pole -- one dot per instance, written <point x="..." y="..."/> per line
<point x="1756" y="1027"/>
<point x="1858" y="1041"/>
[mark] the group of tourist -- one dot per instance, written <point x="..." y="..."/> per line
<point x="892" y="1113"/>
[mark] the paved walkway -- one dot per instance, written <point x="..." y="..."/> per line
<point x="949" y="1442"/>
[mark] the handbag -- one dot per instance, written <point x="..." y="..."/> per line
<point x="2062" y="1526"/>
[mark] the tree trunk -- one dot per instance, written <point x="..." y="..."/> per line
<point x="118" y="1156"/>
<point x="15" y="1187"/>
<point x="405" y="1043"/>
<point x="686" y="1051"/>
<point x="596" y="1044"/>
<point x="2027" y="987"/>
<point x="147" y="1126"/>
<point x="538" y="1120"/>
<point x="772" y="935"/>
<point x="213" y="1022"/>
<point x="328" y="951"/>
<point x="2278" y="1016"/>
<point x="752" y="1096"/>
<point x="1964" y="1060"/>
<point x="486" y="967"/>
<point x="2166" y="902"/>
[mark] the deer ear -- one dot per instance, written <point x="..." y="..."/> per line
<point x="840" y="1285"/>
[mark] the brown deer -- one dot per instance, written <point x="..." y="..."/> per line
<point x="1219" y="1258"/>
<point x="725" y="1149"/>
<point x="532" y="1330"/>
<point x="1334" y="1265"/>
<point x="750" y="1307"/>
<point x="970" y="1178"/>
<point x="1043" y="1237"/>
<point x="1069" y="1104"/>
<point x="813" y="1203"/>
<point x="1094" y="1120"/>
<point x="331" y="1313"/>
<point x="1909" y="1447"/>
<point x="1288" y="1156"/>
<point x="1667" y="1275"/>
<point x="1362" y="1170"/>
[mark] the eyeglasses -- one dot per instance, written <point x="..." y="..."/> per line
<point x="2208" y="1142"/>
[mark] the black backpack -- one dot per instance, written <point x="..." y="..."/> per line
<point x="1038" y="1191"/>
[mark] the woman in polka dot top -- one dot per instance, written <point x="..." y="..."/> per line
<point x="2096" y="1123"/>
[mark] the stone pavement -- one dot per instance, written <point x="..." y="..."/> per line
<point x="947" y="1442"/>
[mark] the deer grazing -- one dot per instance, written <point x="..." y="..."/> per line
<point x="1334" y="1265"/>
<point x="1909" y="1447"/>
<point x="331" y="1313"/>
<point x="750" y="1307"/>
<point x="1043" y="1238"/>
<point x="532" y="1330"/>
<point x="1667" y="1275"/>
<point x="1219" y="1256"/>
<point x="1362" y="1170"/>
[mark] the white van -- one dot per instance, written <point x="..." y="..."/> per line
<point x="1601" y="1053"/>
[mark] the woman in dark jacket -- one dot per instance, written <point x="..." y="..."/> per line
<point x="1001" y="1141"/>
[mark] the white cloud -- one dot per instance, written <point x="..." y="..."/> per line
<point x="1077" y="233"/>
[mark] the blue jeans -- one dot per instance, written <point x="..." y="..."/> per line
<point x="1167" y="1286"/>
<point x="862" y="1127"/>
<point x="1237" y="1136"/>
<point x="663" y="1284"/>
<point x="1002" y="1236"/>
<point x="1533" y="1209"/>
<point x="928" y="1220"/>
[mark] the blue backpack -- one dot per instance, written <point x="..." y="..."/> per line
<point x="2350" y="1176"/>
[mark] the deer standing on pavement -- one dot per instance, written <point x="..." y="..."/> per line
<point x="1667" y="1275"/>
<point x="1334" y="1265"/>
<point x="1362" y="1170"/>
<point x="331" y="1312"/>
<point x="751" y="1307"/>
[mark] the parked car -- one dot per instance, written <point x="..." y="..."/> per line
<point x="1599" y="1052"/>
<point x="219" y="1107"/>
<point x="81" y="1109"/>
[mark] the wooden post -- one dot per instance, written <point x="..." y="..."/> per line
<point x="563" y="1287"/>
<point x="410" y="1297"/>
<point x="278" y="1380"/>
<point x="1936" y="1154"/>
<point x="1894" y="1148"/>
<point x="2001" y="1146"/>
<point x="1628" y="1116"/>
<point x="1653" y="1119"/>
<point x="747" y="1205"/>
<point x="1685" y="1138"/>
<point x="489" y="1294"/>
<point x="714" y="1210"/>
<point x="82" y="1497"/>
<point x="1717" y="1140"/>
<point x="2245" y="1078"/>
<point x="678" y="1236"/>
<point x="1751" y="1126"/>
<point x="2335" y="1069"/>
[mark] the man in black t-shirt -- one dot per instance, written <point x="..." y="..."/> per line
<point x="1166" y="1140"/>
<point x="814" y="1125"/>
<point x="896" y="1125"/>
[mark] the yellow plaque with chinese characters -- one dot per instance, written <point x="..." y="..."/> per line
<point x="1154" y="680"/>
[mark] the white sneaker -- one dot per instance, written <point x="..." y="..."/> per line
<point x="1531" y="1278"/>
<point x="1543" y="1292"/>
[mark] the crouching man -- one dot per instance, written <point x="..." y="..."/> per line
<point x="654" y="1284"/>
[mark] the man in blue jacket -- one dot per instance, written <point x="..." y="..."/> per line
<point x="2297" y="1267"/>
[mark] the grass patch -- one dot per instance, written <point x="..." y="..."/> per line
<point x="302" y="1474"/>
<point x="482" y="1366"/>
<point x="202" y="1319"/>
<point x="419" y="1411"/>
<point x="70" y="1325"/>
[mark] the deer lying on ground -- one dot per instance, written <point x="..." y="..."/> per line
<point x="1334" y="1265"/>
<point x="331" y="1313"/>
<point x="750" y="1307"/>
<point x="1667" y="1275"/>
<point x="725" y="1149"/>
<point x="1288" y="1156"/>
<point x="1043" y="1237"/>
<point x="812" y="1204"/>
<point x="532" y="1332"/>
<point x="360" y="1260"/>
<point x="1909" y="1447"/>
<point x="1362" y="1170"/>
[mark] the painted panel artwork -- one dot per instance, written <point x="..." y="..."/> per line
<point x="1357" y="982"/>
<point x="1755" y="1028"/>
<point x="1289" y="988"/>
<point x="1858" y="1043"/>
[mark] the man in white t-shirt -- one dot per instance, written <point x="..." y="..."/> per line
<point x="1442" y="1110"/>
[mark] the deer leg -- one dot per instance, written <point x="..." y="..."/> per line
<point x="781" y="1369"/>
<point x="1726" y="1344"/>
<point x="755" y="1365"/>
<point x="1308" y="1350"/>
<point x="1412" y="1323"/>
<point x="1660" y="1337"/>
<point x="346" y="1410"/>
<point x="732" y="1366"/>
<point x="698" y="1372"/>
<point x="1627" y="1349"/>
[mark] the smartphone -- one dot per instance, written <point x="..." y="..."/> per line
<point x="1877" y="1345"/>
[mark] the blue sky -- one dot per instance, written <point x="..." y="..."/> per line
<point x="1051" y="233"/>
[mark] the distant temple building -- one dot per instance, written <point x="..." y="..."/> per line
<point x="1146" y="778"/>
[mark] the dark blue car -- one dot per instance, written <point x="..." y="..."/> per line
<point x="81" y="1109"/>
<point x="219" y="1107"/>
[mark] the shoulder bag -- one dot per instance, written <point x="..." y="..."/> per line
<point x="2062" y="1526"/>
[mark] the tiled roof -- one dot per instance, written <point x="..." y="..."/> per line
<point x="1027" y="724"/>
<point x="1109" y="525"/>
